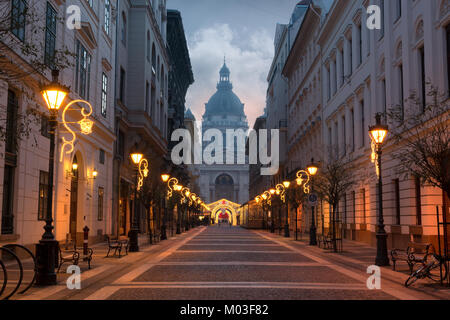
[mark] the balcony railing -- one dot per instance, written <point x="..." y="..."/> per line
<point x="283" y="123"/>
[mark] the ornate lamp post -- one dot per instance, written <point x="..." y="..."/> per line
<point x="266" y="200"/>
<point x="179" y="188"/>
<point x="312" y="171"/>
<point x="165" y="178"/>
<point x="141" y="172"/>
<point x="286" y="185"/>
<point x="186" y="193"/>
<point x="54" y="95"/>
<point x="378" y="133"/>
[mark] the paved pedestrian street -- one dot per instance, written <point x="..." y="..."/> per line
<point x="223" y="263"/>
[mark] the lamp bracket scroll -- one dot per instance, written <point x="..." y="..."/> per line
<point x="268" y="197"/>
<point x="185" y="192"/>
<point x="281" y="190"/>
<point x="374" y="156"/>
<point x="303" y="179"/>
<point x="85" y="125"/>
<point x="192" y="199"/>
<point x="143" y="173"/>
<point x="170" y="184"/>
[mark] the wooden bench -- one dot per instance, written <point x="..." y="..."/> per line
<point x="73" y="256"/>
<point x="156" y="236"/>
<point x="414" y="253"/>
<point x="325" y="240"/>
<point x="117" y="245"/>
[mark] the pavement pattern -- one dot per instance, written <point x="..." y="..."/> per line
<point x="228" y="263"/>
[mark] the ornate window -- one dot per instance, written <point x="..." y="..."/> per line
<point x="43" y="195"/>
<point x="107" y="16"/>
<point x="104" y="95"/>
<point x="50" y="35"/>
<point x="18" y="18"/>
<point x="83" y="71"/>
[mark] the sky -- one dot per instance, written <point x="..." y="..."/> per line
<point x="241" y="30"/>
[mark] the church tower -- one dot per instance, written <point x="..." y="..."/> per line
<point x="223" y="111"/>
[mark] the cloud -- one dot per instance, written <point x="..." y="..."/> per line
<point x="249" y="56"/>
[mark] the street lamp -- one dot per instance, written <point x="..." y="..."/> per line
<point x="136" y="158"/>
<point x="179" y="188"/>
<point x="166" y="179"/>
<point x="186" y="192"/>
<point x="267" y="203"/>
<point x="54" y="95"/>
<point x="286" y="185"/>
<point x="312" y="171"/>
<point x="378" y="133"/>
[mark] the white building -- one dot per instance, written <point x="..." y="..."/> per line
<point x="141" y="107"/>
<point x="302" y="69"/>
<point x="79" y="199"/>
<point x="364" y="72"/>
<point x="219" y="180"/>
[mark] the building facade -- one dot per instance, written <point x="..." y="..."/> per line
<point x="303" y="71"/>
<point x="360" y="73"/>
<point x="82" y="185"/>
<point x="223" y="112"/>
<point x="180" y="73"/>
<point x="141" y="104"/>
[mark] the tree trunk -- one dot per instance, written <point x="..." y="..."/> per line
<point x="334" y="228"/>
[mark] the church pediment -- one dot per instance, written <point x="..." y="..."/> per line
<point x="87" y="34"/>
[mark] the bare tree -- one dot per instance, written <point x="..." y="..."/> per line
<point x="22" y="41"/>
<point x="23" y="61"/>
<point x="153" y="192"/>
<point x="296" y="198"/>
<point x="334" y="179"/>
<point x="422" y="137"/>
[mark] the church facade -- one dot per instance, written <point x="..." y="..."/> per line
<point x="224" y="111"/>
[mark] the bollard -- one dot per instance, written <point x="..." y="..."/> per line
<point x="85" y="242"/>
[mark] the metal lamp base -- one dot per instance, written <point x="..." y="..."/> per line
<point x="286" y="231"/>
<point x="163" y="233"/>
<point x="134" y="244"/>
<point x="46" y="255"/>
<point x="312" y="237"/>
<point x="382" y="258"/>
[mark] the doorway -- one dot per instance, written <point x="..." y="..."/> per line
<point x="74" y="200"/>
<point x="123" y="202"/>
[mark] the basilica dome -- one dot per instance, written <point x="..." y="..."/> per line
<point x="224" y="101"/>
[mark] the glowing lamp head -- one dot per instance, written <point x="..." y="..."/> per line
<point x="299" y="181"/>
<point x="378" y="132"/>
<point x="286" y="184"/>
<point x="272" y="191"/>
<point x="75" y="166"/>
<point x="54" y="93"/>
<point x="178" y="187"/>
<point x="278" y="192"/>
<point x="312" y="168"/>
<point x="194" y="198"/>
<point x="165" y="177"/>
<point x="136" y="157"/>
<point x="187" y="193"/>
<point x="95" y="174"/>
<point x="257" y="199"/>
<point x="264" y="196"/>
<point x="86" y="126"/>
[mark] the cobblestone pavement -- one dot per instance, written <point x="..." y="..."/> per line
<point x="231" y="263"/>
